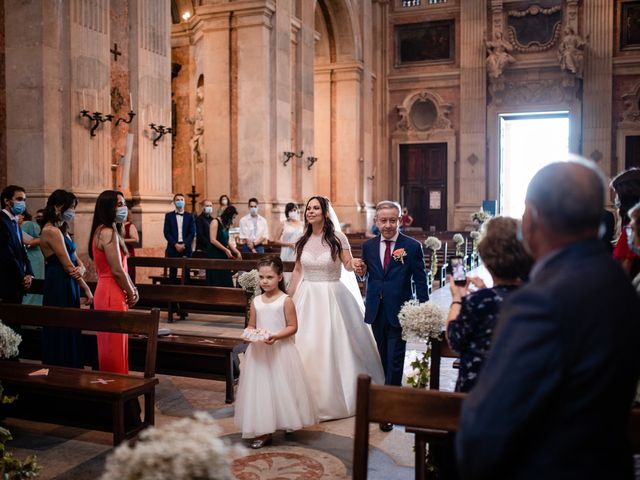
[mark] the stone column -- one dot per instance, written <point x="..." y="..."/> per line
<point x="598" y="83"/>
<point x="345" y="163"/>
<point x="212" y="41"/>
<point x="255" y="104"/>
<point x="323" y="131"/>
<point x="473" y="131"/>
<point x="150" y="74"/>
<point x="57" y="63"/>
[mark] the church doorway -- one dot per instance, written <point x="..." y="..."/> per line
<point x="528" y="142"/>
<point x="423" y="184"/>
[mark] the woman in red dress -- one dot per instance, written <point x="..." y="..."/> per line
<point x="115" y="290"/>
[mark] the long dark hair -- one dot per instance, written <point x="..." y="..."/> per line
<point x="58" y="198"/>
<point x="274" y="262"/>
<point x="104" y="215"/>
<point x="328" y="230"/>
<point x="288" y="207"/>
<point x="226" y="217"/>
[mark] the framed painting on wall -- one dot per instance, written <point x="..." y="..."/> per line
<point x="425" y="42"/>
<point x="630" y="25"/>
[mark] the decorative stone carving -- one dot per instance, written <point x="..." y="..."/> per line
<point x="423" y="112"/>
<point x="117" y="100"/>
<point x="631" y="114"/>
<point x="571" y="52"/>
<point x="472" y="159"/>
<point x="534" y="29"/>
<point x="498" y="56"/>
<point x="196" y="141"/>
<point x="549" y="91"/>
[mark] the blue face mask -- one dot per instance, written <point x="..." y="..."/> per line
<point x="179" y="204"/>
<point x="208" y="211"/>
<point x="253" y="211"/>
<point x="68" y="215"/>
<point x="631" y="244"/>
<point x="18" y="207"/>
<point x="121" y="214"/>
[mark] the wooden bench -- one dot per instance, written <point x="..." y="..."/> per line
<point x="192" y="355"/>
<point x="95" y="387"/>
<point x="434" y="411"/>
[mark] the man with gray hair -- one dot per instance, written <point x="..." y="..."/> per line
<point x="553" y="398"/>
<point x="390" y="262"/>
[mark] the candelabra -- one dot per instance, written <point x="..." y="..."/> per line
<point x="311" y="161"/>
<point x="97" y="118"/>
<point x="289" y="155"/>
<point x="161" y="130"/>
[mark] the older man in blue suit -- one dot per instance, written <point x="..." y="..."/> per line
<point x="390" y="262"/>
<point x="554" y="396"/>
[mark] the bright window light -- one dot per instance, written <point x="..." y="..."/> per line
<point x="186" y="16"/>
<point x="527" y="145"/>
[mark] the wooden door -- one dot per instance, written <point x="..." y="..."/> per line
<point x="423" y="183"/>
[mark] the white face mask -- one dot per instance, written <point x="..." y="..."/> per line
<point x="294" y="215"/>
<point x="253" y="211"/>
<point x="208" y="210"/>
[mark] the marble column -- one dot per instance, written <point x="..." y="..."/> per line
<point x="57" y="64"/>
<point x="472" y="160"/>
<point x="598" y="83"/>
<point x="345" y="163"/>
<point x="212" y="58"/>
<point x="255" y="104"/>
<point x="150" y="76"/>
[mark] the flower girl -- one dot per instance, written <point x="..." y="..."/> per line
<point x="273" y="393"/>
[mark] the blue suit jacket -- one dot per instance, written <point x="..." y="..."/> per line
<point x="553" y="398"/>
<point x="14" y="263"/>
<point x="171" y="233"/>
<point x="393" y="287"/>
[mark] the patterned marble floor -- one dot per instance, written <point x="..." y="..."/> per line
<point x="322" y="451"/>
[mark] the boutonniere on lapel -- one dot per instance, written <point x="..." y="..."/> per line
<point x="399" y="254"/>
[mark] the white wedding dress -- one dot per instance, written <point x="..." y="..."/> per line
<point x="335" y="344"/>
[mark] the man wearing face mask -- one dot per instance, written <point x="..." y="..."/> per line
<point x="179" y="231"/>
<point x="203" y="222"/>
<point x="254" y="229"/>
<point x="15" y="268"/>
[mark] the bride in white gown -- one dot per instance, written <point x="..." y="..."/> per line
<point x="335" y="344"/>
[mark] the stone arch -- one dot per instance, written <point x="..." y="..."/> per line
<point x="343" y="29"/>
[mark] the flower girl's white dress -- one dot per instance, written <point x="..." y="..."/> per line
<point x="273" y="393"/>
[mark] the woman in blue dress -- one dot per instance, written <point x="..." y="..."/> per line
<point x="63" y="280"/>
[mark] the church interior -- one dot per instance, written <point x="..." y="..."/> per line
<point x="447" y="107"/>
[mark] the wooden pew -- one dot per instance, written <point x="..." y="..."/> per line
<point x="191" y="355"/>
<point x="95" y="387"/>
<point x="435" y="411"/>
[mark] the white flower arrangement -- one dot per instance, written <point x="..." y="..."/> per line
<point x="250" y="282"/>
<point x="421" y="321"/>
<point x="186" y="449"/>
<point x="9" y="342"/>
<point x="474" y="235"/>
<point x="480" y="216"/>
<point x="458" y="239"/>
<point x="433" y="243"/>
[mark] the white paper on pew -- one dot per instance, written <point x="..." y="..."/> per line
<point x="43" y="372"/>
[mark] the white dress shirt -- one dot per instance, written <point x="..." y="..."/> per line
<point x="383" y="246"/>
<point x="252" y="228"/>
<point x="180" y="220"/>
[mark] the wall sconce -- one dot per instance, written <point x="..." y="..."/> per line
<point x="131" y="114"/>
<point x="311" y="161"/>
<point x="161" y="130"/>
<point x="97" y="118"/>
<point x="289" y="155"/>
